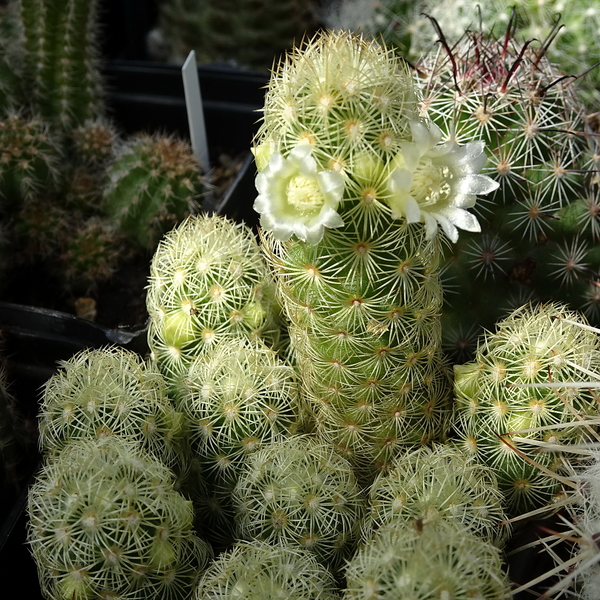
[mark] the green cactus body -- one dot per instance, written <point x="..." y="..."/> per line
<point x="60" y="62"/>
<point x="153" y="183"/>
<point x="105" y="521"/>
<point x="208" y="281"/>
<point x="439" y="483"/>
<point x="299" y="491"/>
<point x="510" y="95"/>
<point x="442" y="561"/>
<point x="235" y="399"/>
<point x="523" y="383"/>
<point x="259" y="571"/>
<point x="109" y="392"/>
<point x="30" y="159"/>
<point x="248" y="32"/>
<point x="11" y="90"/>
<point x="347" y="175"/>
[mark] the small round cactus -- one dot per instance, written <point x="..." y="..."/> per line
<point x="109" y="392"/>
<point x="105" y="521"/>
<point x="153" y="183"/>
<point x="256" y="570"/>
<point x="208" y="281"/>
<point x="442" y="561"/>
<point x="30" y="158"/>
<point x="300" y="491"/>
<point x="439" y="483"/>
<point x="524" y="383"/>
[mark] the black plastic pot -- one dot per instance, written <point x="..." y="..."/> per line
<point x="149" y="96"/>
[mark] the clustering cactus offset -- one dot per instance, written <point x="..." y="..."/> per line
<point x="60" y="59"/>
<point x="105" y="522"/>
<point x="300" y="491"/>
<point x="442" y="561"/>
<point x="208" y="281"/>
<point x="431" y="484"/>
<point x="153" y="183"/>
<point x="109" y="392"/>
<point x="509" y="94"/>
<point x="522" y="391"/>
<point x="352" y="187"/>
<point x="30" y="158"/>
<point x="248" y="32"/>
<point x="256" y="570"/>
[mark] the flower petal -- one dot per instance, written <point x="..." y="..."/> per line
<point x="476" y="184"/>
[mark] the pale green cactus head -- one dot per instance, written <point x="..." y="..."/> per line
<point x="342" y="139"/>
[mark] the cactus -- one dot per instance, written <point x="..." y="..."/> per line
<point x="247" y="32"/>
<point x="60" y="59"/>
<point x="439" y="483"/>
<point x="152" y="183"/>
<point x="521" y="392"/>
<point x="235" y="399"/>
<point x="300" y="491"/>
<point x="29" y="160"/>
<point x="105" y="521"/>
<point x="443" y="560"/>
<point x="511" y="96"/>
<point x="11" y="90"/>
<point x="208" y="281"/>
<point x="259" y="571"/>
<point x="352" y="186"/>
<point x="109" y="392"/>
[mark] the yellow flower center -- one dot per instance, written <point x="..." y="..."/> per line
<point x="304" y="194"/>
<point x="431" y="183"/>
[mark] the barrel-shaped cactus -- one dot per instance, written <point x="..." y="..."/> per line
<point x="104" y="520"/>
<point x="208" y="281"/>
<point x="109" y="393"/>
<point x="153" y="183"/>
<point x="522" y="392"/>
<point x="352" y="187"/>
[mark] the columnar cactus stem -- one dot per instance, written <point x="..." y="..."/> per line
<point x="352" y="186"/>
<point x="60" y="59"/>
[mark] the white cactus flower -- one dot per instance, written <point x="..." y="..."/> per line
<point x="296" y="198"/>
<point x="435" y="183"/>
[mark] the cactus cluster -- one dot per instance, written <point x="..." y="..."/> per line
<point x="106" y="521"/>
<point x="521" y="392"/>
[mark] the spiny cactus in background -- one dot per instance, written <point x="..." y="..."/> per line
<point x="11" y="89"/>
<point x="442" y="560"/>
<point x="259" y="571"/>
<point x="60" y="59"/>
<point x="439" y="483"/>
<point x="153" y="183"/>
<point x="352" y="186"/>
<point x="235" y="399"/>
<point x="105" y="521"/>
<point x="109" y="392"/>
<point x="522" y="391"/>
<point x="247" y="32"/>
<point x="90" y="255"/>
<point x="299" y="491"/>
<point x="509" y="95"/>
<point x="208" y="281"/>
<point x="30" y="158"/>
